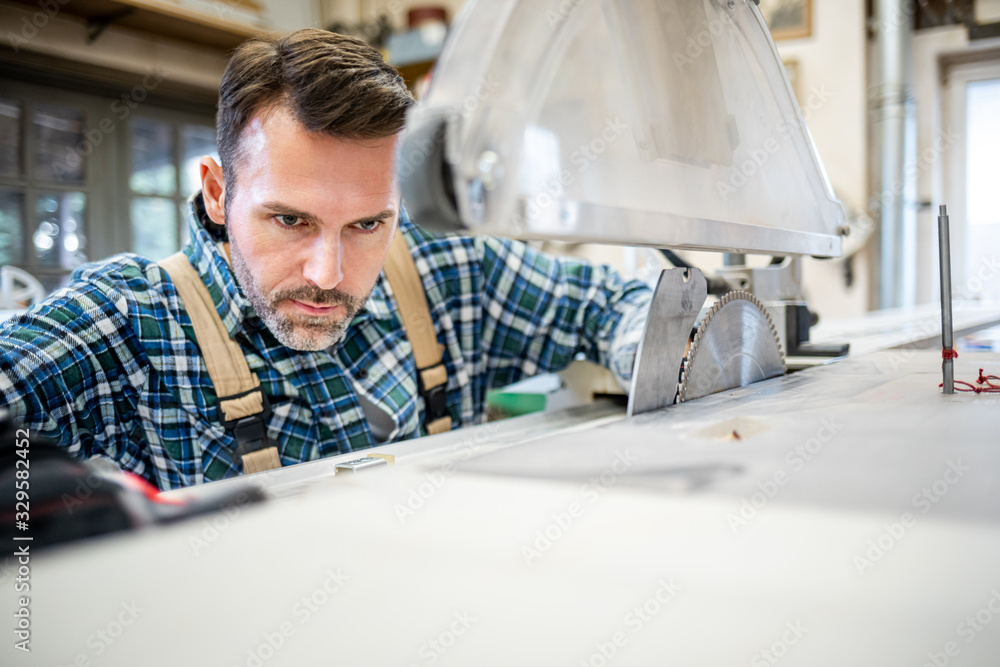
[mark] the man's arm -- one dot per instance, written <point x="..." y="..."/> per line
<point x="70" y="371"/>
<point x="540" y="311"/>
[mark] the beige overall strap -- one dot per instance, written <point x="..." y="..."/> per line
<point x="238" y="389"/>
<point x="432" y="375"/>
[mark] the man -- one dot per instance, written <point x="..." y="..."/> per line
<point x="289" y="235"/>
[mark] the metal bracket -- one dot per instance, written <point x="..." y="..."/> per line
<point x="780" y="281"/>
<point x="779" y="287"/>
<point x="99" y="24"/>
<point x="677" y="301"/>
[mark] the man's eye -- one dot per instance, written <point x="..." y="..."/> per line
<point x="369" y="225"/>
<point x="287" y="220"/>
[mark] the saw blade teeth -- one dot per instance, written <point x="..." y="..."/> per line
<point x="757" y="302"/>
<point x="713" y="310"/>
<point x="781" y="348"/>
<point x="763" y="309"/>
<point x="701" y="332"/>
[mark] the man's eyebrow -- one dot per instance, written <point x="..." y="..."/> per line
<point x="378" y="217"/>
<point x="283" y="209"/>
<point x="278" y="208"/>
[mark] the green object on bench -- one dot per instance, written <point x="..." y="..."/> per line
<point x="515" y="404"/>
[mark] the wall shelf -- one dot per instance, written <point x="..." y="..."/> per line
<point x="161" y="18"/>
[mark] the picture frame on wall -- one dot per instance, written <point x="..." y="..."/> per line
<point x="787" y="19"/>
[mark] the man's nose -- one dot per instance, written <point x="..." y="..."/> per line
<point x="323" y="267"/>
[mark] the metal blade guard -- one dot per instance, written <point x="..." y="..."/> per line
<point x="641" y="122"/>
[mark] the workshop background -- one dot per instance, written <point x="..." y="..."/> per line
<point x="106" y="106"/>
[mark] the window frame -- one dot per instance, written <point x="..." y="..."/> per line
<point x="101" y="160"/>
<point x="955" y="117"/>
<point x="106" y="186"/>
<point x="177" y="121"/>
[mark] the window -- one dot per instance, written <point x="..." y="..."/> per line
<point x="982" y="174"/>
<point x="165" y="158"/>
<point x="45" y="186"/>
<point x="973" y="115"/>
<point x="84" y="177"/>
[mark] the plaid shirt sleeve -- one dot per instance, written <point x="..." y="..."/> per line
<point x="72" y="369"/>
<point x="540" y="312"/>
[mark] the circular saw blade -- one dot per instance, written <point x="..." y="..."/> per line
<point x="734" y="346"/>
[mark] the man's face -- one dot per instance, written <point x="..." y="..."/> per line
<point x="310" y="222"/>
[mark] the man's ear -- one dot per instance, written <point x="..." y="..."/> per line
<point x="213" y="190"/>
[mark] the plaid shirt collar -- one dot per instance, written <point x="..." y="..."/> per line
<point x="232" y="305"/>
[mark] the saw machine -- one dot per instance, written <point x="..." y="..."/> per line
<point x="662" y="124"/>
<point x="848" y="513"/>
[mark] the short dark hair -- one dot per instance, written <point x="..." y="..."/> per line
<point x="331" y="83"/>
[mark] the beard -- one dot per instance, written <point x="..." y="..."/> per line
<point x="300" y="331"/>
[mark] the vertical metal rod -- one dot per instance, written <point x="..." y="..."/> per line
<point x="947" y="325"/>
<point x="890" y="96"/>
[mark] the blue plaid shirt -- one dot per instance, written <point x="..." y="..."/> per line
<point x="109" y="366"/>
